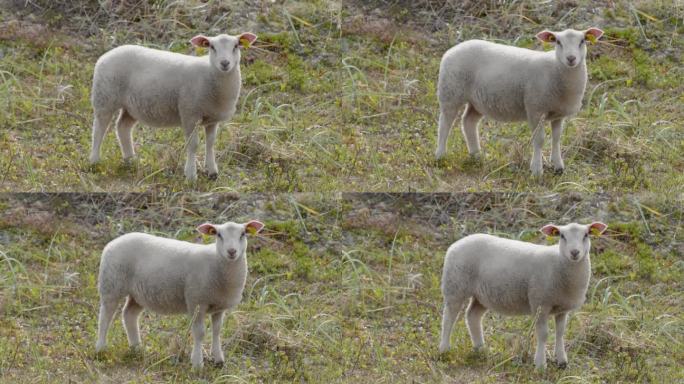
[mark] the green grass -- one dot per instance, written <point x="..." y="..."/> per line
<point x="341" y="288"/>
<point x="342" y="98"/>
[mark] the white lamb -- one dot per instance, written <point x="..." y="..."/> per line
<point x="511" y="84"/>
<point x="518" y="278"/>
<point x="170" y="276"/>
<point x="163" y="89"/>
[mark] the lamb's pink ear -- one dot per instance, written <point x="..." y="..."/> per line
<point x="597" y="228"/>
<point x="207" y="229"/>
<point x="593" y="34"/>
<point x="200" y="41"/>
<point x="247" y="38"/>
<point x="546" y="36"/>
<point x="550" y="230"/>
<point x="254" y="226"/>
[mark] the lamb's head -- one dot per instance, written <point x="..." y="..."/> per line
<point x="571" y="45"/>
<point x="231" y="238"/>
<point x="224" y="50"/>
<point x="574" y="238"/>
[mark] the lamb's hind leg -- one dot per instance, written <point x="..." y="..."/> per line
<point x="101" y="119"/>
<point x="130" y="316"/>
<point x="452" y="307"/>
<point x="447" y="115"/>
<point x="469" y="128"/>
<point x="124" y="132"/>
<point x="107" y="309"/>
<point x="474" y="315"/>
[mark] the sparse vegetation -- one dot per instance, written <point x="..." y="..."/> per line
<point x="341" y="288"/>
<point x="340" y="96"/>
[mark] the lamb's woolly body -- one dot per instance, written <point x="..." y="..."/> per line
<point x="514" y="277"/>
<point x="511" y="84"/>
<point x="170" y="276"/>
<point x="518" y="278"/>
<point x="162" y="88"/>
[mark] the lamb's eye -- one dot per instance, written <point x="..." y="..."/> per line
<point x="243" y="235"/>
<point x="559" y="43"/>
<point x="586" y="235"/>
<point x="211" y="46"/>
<point x="236" y="47"/>
<point x="582" y="42"/>
<point x="219" y="236"/>
<point x="562" y="236"/>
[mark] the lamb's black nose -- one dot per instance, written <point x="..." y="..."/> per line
<point x="574" y="253"/>
<point x="225" y="63"/>
<point x="571" y="59"/>
<point x="231" y="252"/>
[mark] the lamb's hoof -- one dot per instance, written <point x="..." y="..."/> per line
<point x="474" y="160"/>
<point x="95" y="167"/>
<point x="100" y="349"/>
<point x="558" y="171"/>
<point x="128" y="163"/>
<point x="218" y="363"/>
<point x="134" y="352"/>
<point x="481" y="350"/>
<point x="212" y="176"/>
<point x="562" y="365"/>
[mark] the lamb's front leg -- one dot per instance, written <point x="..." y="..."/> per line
<point x="191" y="142"/>
<point x="197" y="336"/>
<point x="536" y="123"/>
<point x="542" y="331"/>
<point x="210" y="157"/>
<point x="216" y="351"/>
<point x="561" y="357"/>
<point x="556" y="157"/>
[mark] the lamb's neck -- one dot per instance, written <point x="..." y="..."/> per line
<point x="573" y="276"/>
<point x="225" y="86"/>
<point x="232" y="271"/>
<point x="571" y="80"/>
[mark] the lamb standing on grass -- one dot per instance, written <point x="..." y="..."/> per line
<point x="170" y="276"/>
<point x="164" y="89"/>
<point x="512" y="84"/>
<point x="518" y="278"/>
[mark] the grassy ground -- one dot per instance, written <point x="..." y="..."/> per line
<point x="341" y="97"/>
<point x="341" y="288"/>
